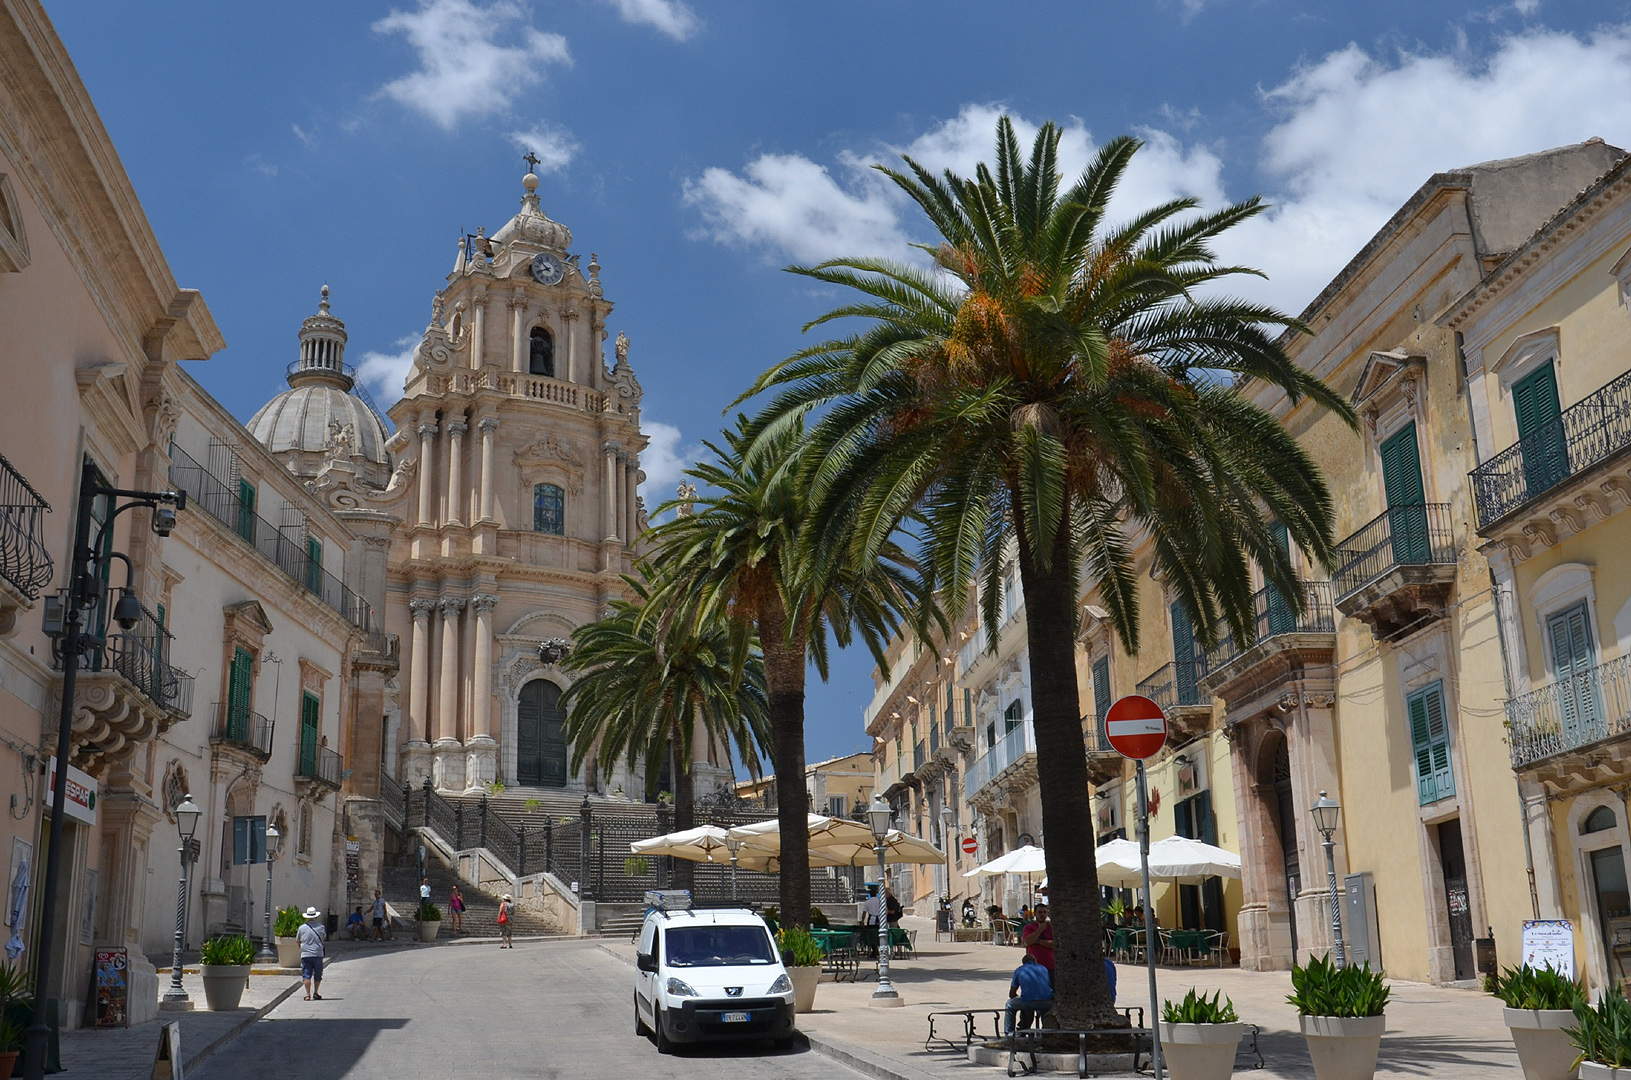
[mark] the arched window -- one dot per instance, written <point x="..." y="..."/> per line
<point x="1598" y="820"/>
<point x="543" y="353"/>
<point x="548" y="510"/>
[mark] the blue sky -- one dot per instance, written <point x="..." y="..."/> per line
<point x="698" y="147"/>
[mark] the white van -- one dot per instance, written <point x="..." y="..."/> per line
<point x="705" y="974"/>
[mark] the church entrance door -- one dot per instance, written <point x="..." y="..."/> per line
<point x="540" y="743"/>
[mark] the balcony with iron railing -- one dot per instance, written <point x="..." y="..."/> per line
<point x="25" y="562"/>
<point x="1176" y="687"/>
<point x="319" y="765"/>
<point x="1016" y="746"/>
<point x="289" y="553"/>
<point x="1396" y="572"/>
<point x="1569" y="715"/>
<point x="1279" y="631"/>
<point x="127" y="690"/>
<point x="1536" y="475"/>
<point x="1104" y="762"/>
<point x="238" y="727"/>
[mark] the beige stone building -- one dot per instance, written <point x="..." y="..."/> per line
<point x="837" y="787"/>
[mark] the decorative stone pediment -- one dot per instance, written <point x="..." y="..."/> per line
<point x="247" y="616"/>
<point x="1387" y="379"/>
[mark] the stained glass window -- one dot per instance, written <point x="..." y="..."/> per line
<point x="549" y="510"/>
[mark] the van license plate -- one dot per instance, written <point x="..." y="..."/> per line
<point x="736" y="1018"/>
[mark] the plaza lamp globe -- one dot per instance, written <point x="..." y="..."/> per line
<point x="1325" y="812"/>
<point x="877" y="816"/>
<point x="187" y="815"/>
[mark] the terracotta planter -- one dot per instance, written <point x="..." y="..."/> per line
<point x="224" y="985"/>
<point x="1200" y="1051"/>
<point x="1544" y="1051"/>
<point x="8" y="1062"/>
<point x="288" y="952"/>
<point x="1344" y="1047"/>
<point x="1590" y="1070"/>
<point x="428" y="930"/>
<point x="805" y="980"/>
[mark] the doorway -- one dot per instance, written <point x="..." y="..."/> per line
<point x="1458" y="904"/>
<point x="1287" y="821"/>
<point x="540" y="736"/>
<point x="1613" y="904"/>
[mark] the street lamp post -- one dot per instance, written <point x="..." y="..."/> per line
<point x="733" y="845"/>
<point x="267" y="952"/>
<point x="878" y="815"/>
<point x="1326" y="813"/>
<point x="946" y="816"/>
<point x="187" y="814"/>
<point x="83" y="594"/>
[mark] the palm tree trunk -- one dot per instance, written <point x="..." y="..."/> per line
<point x="685" y="800"/>
<point x="784" y="682"/>
<point x="1080" y="988"/>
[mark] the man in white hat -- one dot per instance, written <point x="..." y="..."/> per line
<point x="310" y="936"/>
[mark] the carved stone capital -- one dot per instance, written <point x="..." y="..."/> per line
<point x="421" y="607"/>
<point x="488" y="424"/>
<point x="426" y="430"/>
<point x="451" y="605"/>
<point x="457" y="428"/>
<point x="484" y="603"/>
<point x="571" y="314"/>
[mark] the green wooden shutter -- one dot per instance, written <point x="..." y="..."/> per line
<point x="240" y="686"/>
<point x="1282" y="617"/>
<point x="1430" y="739"/>
<point x="310" y="720"/>
<point x="246" y="510"/>
<point x="1406" y="500"/>
<point x="1574" y="663"/>
<point x="1101" y="691"/>
<point x="1540" y="430"/>
<point x="1185" y="657"/>
<point x="314" y="564"/>
<point x="968" y="707"/>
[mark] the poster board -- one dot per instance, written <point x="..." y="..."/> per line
<point x="167" y="1059"/>
<point x="111" y="987"/>
<point x="1549" y="943"/>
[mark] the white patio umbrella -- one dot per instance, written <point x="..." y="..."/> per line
<point x="697" y="845"/>
<point x="898" y="847"/>
<point x="1118" y="864"/>
<point x="765" y="836"/>
<point x="1178" y="857"/>
<point x="1023" y="860"/>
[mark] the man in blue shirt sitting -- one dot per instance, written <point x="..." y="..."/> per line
<point x="1031" y="991"/>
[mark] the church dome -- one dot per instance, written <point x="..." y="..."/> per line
<point x="319" y="405"/>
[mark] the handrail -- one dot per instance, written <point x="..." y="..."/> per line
<point x="244" y="728"/>
<point x="1586" y="433"/>
<point x="1275" y="617"/>
<point x="24" y="559"/>
<point x="1013" y="745"/>
<point x="1176" y="684"/>
<point x="142" y="655"/>
<point x="210" y="493"/>
<point x="320" y="764"/>
<point x="1416" y="534"/>
<point x="1584" y="708"/>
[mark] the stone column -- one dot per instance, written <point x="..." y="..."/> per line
<point x="478" y="327"/>
<point x="449" y="763"/>
<point x="570" y="316"/>
<point x="631" y="478"/>
<point x="427" y="469"/>
<point x="419" y="673"/>
<point x="518" y="333"/>
<point x="455" y="471"/>
<point x="481" y="749"/>
<point x="488" y="425"/>
<point x="610" y="511"/>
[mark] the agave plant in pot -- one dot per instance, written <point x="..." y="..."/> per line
<point x="1602" y="1035"/>
<point x="802" y="958"/>
<point x="16" y="1007"/>
<point x="1539" y="1011"/>
<point x="225" y="963"/>
<point x="1341" y="1010"/>
<point x="1199" y="1036"/>
<point x="284" y="929"/>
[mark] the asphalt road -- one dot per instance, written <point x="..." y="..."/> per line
<point x="545" y="1009"/>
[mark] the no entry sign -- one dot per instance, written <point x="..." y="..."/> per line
<point x="970" y="845"/>
<point x="1136" y="727"/>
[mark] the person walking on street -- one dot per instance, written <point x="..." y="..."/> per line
<point x="455" y="904"/>
<point x="379" y="916"/>
<point x="505" y="922"/>
<point x="310" y="936"/>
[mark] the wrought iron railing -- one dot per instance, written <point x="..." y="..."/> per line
<point x="237" y="725"/>
<point x="24" y="560"/>
<point x="142" y="655"/>
<point x="1095" y="740"/>
<point x="1410" y="535"/>
<point x="1009" y="749"/>
<point x="917" y="756"/>
<point x="1587" y="432"/>
<point x="210" y="493"/>
<point x="1176" y="684"/>
<point x="319" y="763"/>
<point x="1275" y="616"/>
<point x="1570" y="713"/>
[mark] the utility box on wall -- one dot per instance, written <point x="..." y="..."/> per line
<point x="1363" y="938"/>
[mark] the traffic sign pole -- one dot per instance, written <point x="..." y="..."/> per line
<point x="1137" y="729"/>
<point x="1150" y="937"/>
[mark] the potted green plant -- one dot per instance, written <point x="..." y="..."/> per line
<point x="1199" y="1037"/>
<point x="1341" y="1011"/>
<point x="16" y="1000"/>
<point x="802" y="957"/>
<point x="1539" y="1011"/>
<point x="284" y="928"/>
<point x="225" y="963"/>
<point x="1602" y="1035"/>
<point x="636" y="866"/>
<point x="430" y="920"/>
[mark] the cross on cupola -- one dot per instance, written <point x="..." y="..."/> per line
<point x="532" y="160"/>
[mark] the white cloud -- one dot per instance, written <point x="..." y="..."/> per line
<point x="473" y="60"/>
<point x="671" y="17"/>
<point x="664" y="460"/>
<point x="386" y="373"/>
<point x="1352" y="136"/>
<point x="308" y="139"/>
<point x="554" y="145"/>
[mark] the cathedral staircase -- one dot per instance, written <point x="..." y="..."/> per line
<point x="401" y="889"/>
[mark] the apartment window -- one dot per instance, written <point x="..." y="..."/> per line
<point x="314" y="565"/>
<point x="304" y="846"/>
<point x="1186" y="655"/>
<point x="240" y="682"/>
<point x="1406" y="497"/>
<point x="246" y="510"/>
<point x="549" y="510"/>
<point x="1101" y="689"/>
<point x="1573" y="658"/>
<point x="837" y="806"/>
<point x="1430" y="739"/>
<point x="1538" y="411"/>
<point x="1012" y="716"/>
<point x="968" y="707"/>
<point x="1008" y="593"/>
<point x="310" y="713"/>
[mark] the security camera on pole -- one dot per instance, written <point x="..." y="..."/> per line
<point x="1137" y="729"/>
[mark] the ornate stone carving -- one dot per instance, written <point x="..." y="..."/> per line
<point x="457" y="427"/>
<point x="451" y="605"/>
<point x="420" y="606"/>
<point x="174" y="788"/>
<point x="552" y="651"/>
<point x="687" y="494"/>
<point x="483" y="603"/>
<point x="488" y="424"/>
<point x="166" y="413"/>
<point x="621" y="347"/>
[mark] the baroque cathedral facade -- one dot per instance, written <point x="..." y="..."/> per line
<point x="506" y="504"/>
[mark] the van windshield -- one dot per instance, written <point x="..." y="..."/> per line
<point x="718" y="946"/>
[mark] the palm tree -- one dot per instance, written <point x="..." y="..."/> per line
<point x="733" y="552"/>
<point x="648" y="688"/>
<point x="1050" y="386"/>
